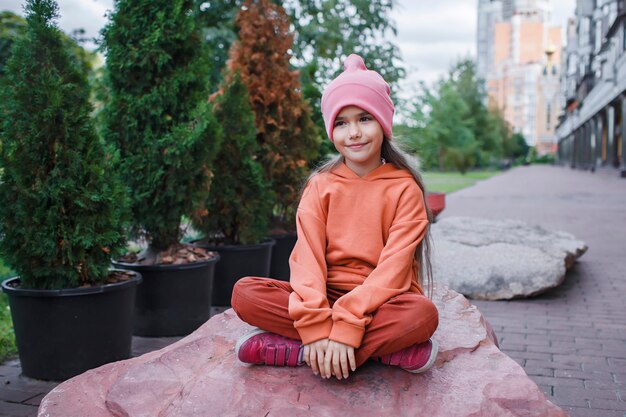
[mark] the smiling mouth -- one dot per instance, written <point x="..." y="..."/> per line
<point x="357" y="145"/>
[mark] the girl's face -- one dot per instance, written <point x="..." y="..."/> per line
<point x="358" y="136"/>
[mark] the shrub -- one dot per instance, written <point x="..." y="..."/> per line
<point x="62" y="202"/>
<point x="238" y="208"/>
<point x="157" y="114"/>
<point x="288" y="140"/>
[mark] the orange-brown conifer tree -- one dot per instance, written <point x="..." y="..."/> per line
<point x="288" y="139"/>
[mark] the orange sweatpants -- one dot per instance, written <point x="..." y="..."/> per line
<point x="403" y="321"/>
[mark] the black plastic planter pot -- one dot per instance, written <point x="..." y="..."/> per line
<point x="63" y="333"/>
<point x="174" y="300"/>
<point x="280" y="255"/>
<point x="238" y="261"/>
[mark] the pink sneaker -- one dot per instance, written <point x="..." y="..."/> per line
<point x="264" y="348"/>
<point x="416" y="359"/>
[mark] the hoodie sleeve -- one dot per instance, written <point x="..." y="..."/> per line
<point x="308" y="304"/>
<point x="391" y="277"/>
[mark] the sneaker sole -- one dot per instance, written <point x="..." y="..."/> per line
<point x="431" y="360"/>
<point x="245" y="338"/>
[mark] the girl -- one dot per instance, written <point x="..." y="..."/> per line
<point x="358" y="266"/>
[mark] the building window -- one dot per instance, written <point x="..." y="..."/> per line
<point x="623" y="37"/>
<point x="548" y="115"/>
<point x="584" y="33"/>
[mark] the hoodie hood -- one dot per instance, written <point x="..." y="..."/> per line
<point x="383" y="172"/>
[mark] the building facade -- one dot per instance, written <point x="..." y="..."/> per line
<point x="519" y="57"/>
<point x="489" y="13"/>
<point x="591" y="129"/>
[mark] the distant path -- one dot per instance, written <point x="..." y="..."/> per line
<point x="571" y="340"/>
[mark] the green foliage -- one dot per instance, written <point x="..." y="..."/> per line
<point x="328" y="30"/>
<point x="61" y="217"/>
<point x="7" y="336"/>
<point x="450" y="127"/>
<point x="217" y="21"/>
<point x="484" y="125"/>
<point x="239" y="205"/>
<point x="516" y="147"/>
<point x="156" y="112"/>
<point x="5" y="271"/>
<point x="443" y="137"/>
<point x="12" y="27"/>
<point x="533" y="158"/>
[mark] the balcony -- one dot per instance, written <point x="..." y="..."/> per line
<point x="585" y="85"/>
<point x="615" y="24"/>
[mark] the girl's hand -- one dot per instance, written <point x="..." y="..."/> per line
<point x="338" y="357"/>
<point x="314" y="354"/>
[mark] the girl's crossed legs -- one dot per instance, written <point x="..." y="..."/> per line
<point x="403" y="321"/>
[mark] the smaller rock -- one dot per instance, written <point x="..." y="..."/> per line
<point x="500" y="259"/>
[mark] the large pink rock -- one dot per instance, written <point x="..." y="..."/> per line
<point x="200" y="376"/>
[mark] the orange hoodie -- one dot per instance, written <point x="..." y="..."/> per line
<point x="357" y="235"/>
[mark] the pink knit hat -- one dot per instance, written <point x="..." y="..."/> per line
<point x="358" y="86"/>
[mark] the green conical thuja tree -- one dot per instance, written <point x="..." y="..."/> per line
<point x="157" y="114"/>
<point x="62" y="203"/>
<point x="239" y="205"/>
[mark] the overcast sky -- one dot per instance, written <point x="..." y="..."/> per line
<point x="431" y="34"/>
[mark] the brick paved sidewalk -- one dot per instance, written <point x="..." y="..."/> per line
<point x="572" y="340"/>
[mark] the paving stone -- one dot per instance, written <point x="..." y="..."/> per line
<point x="559" y="382"/>
<point x="535" y="337"/>
<point x="596" y="376"/>
<point x="532" y="372"/>
<point x="605" y="404"/>
<point x="530" y="355"/>
<point x="607" y="353"/>
<point x="587" y="393"/>
<point x="619" y="377"/>
<point x="618" y="363"/>
<point x="564" y="400"/>
<point x="586" y="412"/>
<point x="10" y="370"/>
<point x="552" y="364"/>
<point x="17" y="410"/>
<point x="15" y="396"/>
<point x="598" y="366"/>
<point x="546" y="389"/>
<point x="546" y="349"/>
<point x="36" y="400"/>
<point x="29" y="385"/>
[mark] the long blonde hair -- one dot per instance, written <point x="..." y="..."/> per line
<point x="393" y="154"/>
